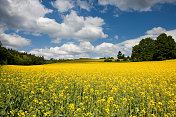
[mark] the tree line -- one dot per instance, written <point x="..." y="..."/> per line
<point x="13" y="57"/>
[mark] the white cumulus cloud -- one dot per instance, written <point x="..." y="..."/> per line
<point x="137" y="5"/>
<point x="66" y="5"/>
<point x="83" y="5"/>
<point x="13" y="40"/>
<point x="67" y="51"/>
<point x="156" y="31"/>
<point x="79" y="28"/>
<point x="63" y="5"/>
<point x="21" y="14"/>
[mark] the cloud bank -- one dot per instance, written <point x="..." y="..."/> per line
<point x="87" y="50"/>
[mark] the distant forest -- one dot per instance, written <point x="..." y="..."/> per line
<point x="163" y="48"/>
<point x="13" y="57"/>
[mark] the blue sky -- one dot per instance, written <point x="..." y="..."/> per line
<point x="83" y="28"/>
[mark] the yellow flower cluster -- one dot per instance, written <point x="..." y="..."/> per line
<point x="89" y="89"/>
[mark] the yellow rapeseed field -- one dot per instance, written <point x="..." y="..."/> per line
<point x="92" y="89"/>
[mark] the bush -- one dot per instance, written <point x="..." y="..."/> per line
<point x="107" y="60"/>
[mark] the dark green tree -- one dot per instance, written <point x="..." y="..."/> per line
<point x="144" y="51"/>
<point x="165" y="48"/>
<point x="120" y="55"/>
